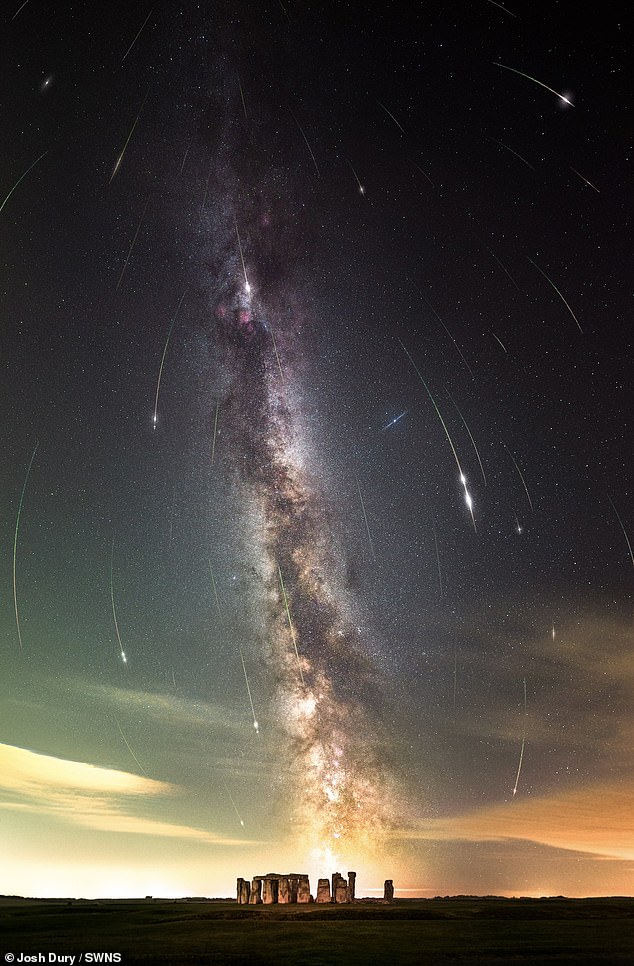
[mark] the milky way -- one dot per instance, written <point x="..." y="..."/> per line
<point x="340" y="800"/>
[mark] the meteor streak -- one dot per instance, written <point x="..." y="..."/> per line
<point x="500" y="263"/>
<point x="19" y="8"/>
<point x="521" y="478"/>
<point x="247" y="287"/>
<point x="160" y="373"/>
<point x="510" y="12"/>
<point x="433" y="526"/>
<point x="470" y="437"/>
<point x="213" y="584"/>
<point x="361" y="188"/>
<point x="117" y="163"/>
<point x="627" y="539"/>
<point x="15" y="543"/>
<point x="519" y="767"/>
<point x="204" y="202"/>
<point x="171" y="529"/>
<point x="367" y="525"/>
<point x="393" y="422"/>
<point x="463" y="479"/>
<point x="550" y="281"/>
<point x="535" y="81"/>
<point x="424" y="173"/>
<point x="137" y="36"/>
<point x="277" y="355"/>
<point x="213" y="442"/>
<point x="589" y="183"/>
<point x="458" y="349"/>
<point x="290" y="624"/>
<point x="22" y="176"/>
<point x="503" y="145"/>
<point x="128" y="746"/>
<point x="114" y="609"/>
<point x="138" y="228"/>
<point x="389" y="113"/>
<point x="467" y="498"/>
<point x="307" y="145"/>
<point x="235" y="807"/>
<point x="185" y="156"/>
<point x="431" y="307"/>
<point x="285" y="11"/>
<point x="255" y="720"/>
<point x="244" y="106"/>
<point x="500" y="341"/>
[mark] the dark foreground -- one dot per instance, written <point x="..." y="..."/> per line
<point x="431" y="931"/>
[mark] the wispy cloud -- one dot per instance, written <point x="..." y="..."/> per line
<point x="159" y="706"/>
<point x="90" y="796"/>
<point x="597" y="819"/>
<point x="579" y="685"/>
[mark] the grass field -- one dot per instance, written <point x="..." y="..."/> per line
<point x="434" y="931"/>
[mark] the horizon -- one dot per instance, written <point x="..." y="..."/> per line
<point x="225" y="898"/>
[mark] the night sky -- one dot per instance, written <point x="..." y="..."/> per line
<point x="316" y="444"/>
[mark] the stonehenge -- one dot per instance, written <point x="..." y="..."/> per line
<point x="323" y="890"/>
<point x="274" y="888"/>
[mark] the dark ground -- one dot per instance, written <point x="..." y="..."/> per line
<point x="435" y="931"/>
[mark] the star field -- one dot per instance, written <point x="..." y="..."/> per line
<point x="316" y="421"/>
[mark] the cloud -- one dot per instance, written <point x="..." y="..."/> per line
<point x="160" y="706"/>
<point x="34" y="775"/>
<point x="579" y="686"/>
<point x="597" y="819"/>
<point x="90" y="796"/>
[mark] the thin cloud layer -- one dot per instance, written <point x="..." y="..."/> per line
<point x="569" y="820"/>
<point x="90" y="796"/>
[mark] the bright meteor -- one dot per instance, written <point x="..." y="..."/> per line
<point x="519" y="767"/>
<point x="247" y="287"/>
<point x="535" y="81"/>
<point x="22" y="176"/>
<point x="360" y="186"/>
<point x="394" y="421"/>
<point x="117" y="163"/>
<point x="246" y="678"/>
<point x="114" y="609"/>
<point x="158" y="382"/>
<point x="462" y="477"/>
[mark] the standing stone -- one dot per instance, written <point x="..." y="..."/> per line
<point x="336" y="879"/>
<point x="388" y="890"/>
<point x="340" y="888"/>
<point x="255" y="898"/>
<point x="293" y="881"/>
<point x="303" y="889"/>
<point x="243" y="892"/>
<point x="269" y="890"/>
<point x="352" y="877"/>
<point x="323" y="890"/>
<point x="283" y="889"/>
